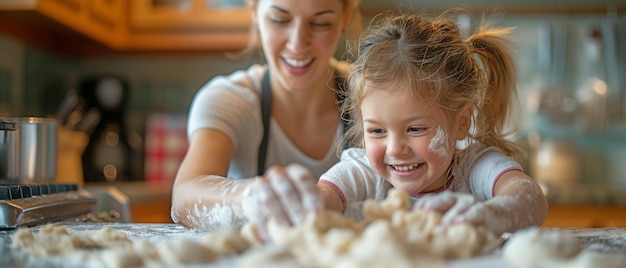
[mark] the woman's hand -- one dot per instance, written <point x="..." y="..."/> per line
<point x="283" y="194"/>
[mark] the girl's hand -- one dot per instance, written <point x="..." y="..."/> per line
<point x="451" y="205"/>
<point x="283" y="194"/>
<point x="464" y="208"/>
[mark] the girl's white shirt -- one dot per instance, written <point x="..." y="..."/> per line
<point x="232" y="105"/>
<point x="356" y="181"/>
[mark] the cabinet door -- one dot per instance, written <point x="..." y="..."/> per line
<point x="109" y="12"/>
<point x="189" y="15"/>
<point x="187" y="25"/>
<point x="101" y="20"/>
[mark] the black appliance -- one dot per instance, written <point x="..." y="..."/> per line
<point x="109" y="156"/>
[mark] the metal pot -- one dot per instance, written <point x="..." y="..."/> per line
<point x="28" y="149"/>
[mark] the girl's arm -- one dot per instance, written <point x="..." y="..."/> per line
<point x="520" y="200"/>
<point x="517" y="203"/>
<point x="330" y="197"/>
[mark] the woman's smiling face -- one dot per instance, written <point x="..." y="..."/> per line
<point x="407" y="140"/>
<point x="299" y="37"/>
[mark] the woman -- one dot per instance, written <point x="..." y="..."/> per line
<point x="226" y="127"/>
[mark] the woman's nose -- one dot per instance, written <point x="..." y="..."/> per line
<point x="299" y="37"/>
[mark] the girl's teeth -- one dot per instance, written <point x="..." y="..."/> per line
<point x="297" y="63"/>
<point x="405" y="168"/>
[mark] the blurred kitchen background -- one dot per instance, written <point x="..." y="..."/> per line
<point x="120" y="76"/>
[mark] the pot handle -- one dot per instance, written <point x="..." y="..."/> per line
<point x="7" y="126"/>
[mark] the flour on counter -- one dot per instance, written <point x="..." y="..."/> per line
<point x="558" y="249"/>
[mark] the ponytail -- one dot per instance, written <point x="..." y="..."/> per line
<point x="490" y="45"/>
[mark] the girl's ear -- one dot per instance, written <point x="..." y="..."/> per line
<point x="464" y="121"/>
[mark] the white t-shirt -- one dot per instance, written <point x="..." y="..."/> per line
<point x="356" y="181"/>
<point x="231" y="104"/>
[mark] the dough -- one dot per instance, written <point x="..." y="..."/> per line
<point x="532" y="247"/>
<point x="184" y="252"/>
<point x="390" y="235"/>
<point x="55" y="240"/>
<point x="108" y="247"/>
<point x="555" y="249"/>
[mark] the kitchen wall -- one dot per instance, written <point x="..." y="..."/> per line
<point x="32" y="82"/>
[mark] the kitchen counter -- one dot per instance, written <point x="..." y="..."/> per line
<point x="149" y="202"/>
<point x="138" y="192"/>
<point x="610" y="241"/>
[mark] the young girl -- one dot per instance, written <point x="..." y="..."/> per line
<point x="429" y="110"/>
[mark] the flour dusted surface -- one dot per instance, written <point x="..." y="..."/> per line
<point x="390" y="235"/>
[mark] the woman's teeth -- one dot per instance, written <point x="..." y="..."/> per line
<point x="297" y="63"/>
<point x="405" y="168"/>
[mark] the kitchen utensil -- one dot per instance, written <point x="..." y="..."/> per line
<point x="555" y="99"/>
<point x="28" y="147"/>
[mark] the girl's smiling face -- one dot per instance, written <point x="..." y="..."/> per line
<point x="407" y="140"/>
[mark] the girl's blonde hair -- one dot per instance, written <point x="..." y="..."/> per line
<point x="437" y="63"/>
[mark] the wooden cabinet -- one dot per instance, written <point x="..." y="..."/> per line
<point x="186" y="25"/>
<point x="187" y="16"/>
<point x="137" y="25"/>
<point x="101" y="20"/>
<point x="586" y="216"/>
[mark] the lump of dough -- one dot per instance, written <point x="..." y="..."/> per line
<point x="119" y="257"/>
<point x="396" y="200"/>
<point x="108" y="237"/>
<point x="51" y="240"/>
<point x="267" y="257"/>
<point x="532" y="247"/>
<point x="184" y="252"/>
<point x="226" y="241"/>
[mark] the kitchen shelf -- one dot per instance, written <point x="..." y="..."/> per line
<point x="80" y="27"/>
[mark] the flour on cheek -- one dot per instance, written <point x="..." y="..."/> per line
<point x="438" y="142"/>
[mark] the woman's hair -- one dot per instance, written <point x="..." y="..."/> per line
<point x="353" y="29"/>
<point x="437" y="63"/>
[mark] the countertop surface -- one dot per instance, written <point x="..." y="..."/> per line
<point x="137" y="192"/>
<point x="610" y="241"/>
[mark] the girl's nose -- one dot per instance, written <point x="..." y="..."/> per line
<point x="396" y="146"/>
<point x="299" y="37"/>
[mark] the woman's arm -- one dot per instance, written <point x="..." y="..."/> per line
<point x="202" y="196"/>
